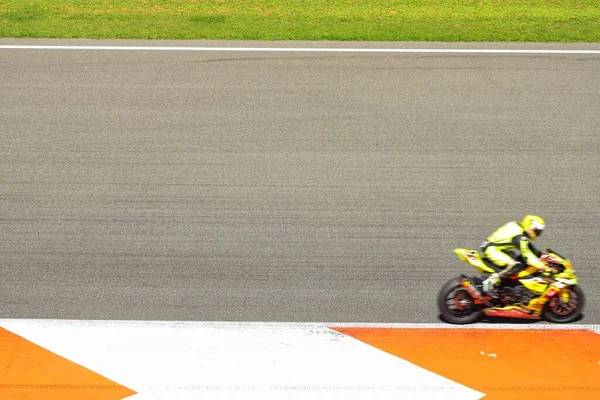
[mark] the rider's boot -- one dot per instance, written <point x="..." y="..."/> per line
<point x="489" y="285"/>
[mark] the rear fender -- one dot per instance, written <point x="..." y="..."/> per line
<point x="473" y="258"/>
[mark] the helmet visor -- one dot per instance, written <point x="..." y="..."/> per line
<point x="537" y="228"/>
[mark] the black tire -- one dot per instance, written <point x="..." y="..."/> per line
<point x="549" y="315"/>
<point x="469" y="316"/>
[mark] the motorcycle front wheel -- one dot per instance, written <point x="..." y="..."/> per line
<point x="456" y="304"/>
<point x="555" y="310"/>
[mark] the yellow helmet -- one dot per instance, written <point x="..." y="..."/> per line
<point x="533" y="226"/>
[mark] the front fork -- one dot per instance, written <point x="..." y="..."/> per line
<point x="552" y="290"/>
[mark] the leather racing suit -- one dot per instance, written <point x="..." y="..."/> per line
<point x="511" y="249"/>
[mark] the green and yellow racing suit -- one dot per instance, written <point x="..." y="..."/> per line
<point x="510" y="247"/>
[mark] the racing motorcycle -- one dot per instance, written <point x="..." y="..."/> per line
<point x="555" y="297"/>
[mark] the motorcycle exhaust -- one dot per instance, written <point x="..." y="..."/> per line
<point x="474" y="293"/>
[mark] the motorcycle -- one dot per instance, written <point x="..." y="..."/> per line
<point x="554" y="297"/>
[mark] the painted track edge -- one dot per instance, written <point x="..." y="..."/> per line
<point x="302" y="325"/>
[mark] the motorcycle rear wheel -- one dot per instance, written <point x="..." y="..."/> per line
<point x="456" y="304"/>
<point x="557" y="311"/>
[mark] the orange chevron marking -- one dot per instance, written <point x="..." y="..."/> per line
<point x="503" y="364"/>
<point x="28" y="372"/>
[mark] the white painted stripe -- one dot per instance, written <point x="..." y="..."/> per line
<point x="299" y="49"/>
<point x="304" y="325"/>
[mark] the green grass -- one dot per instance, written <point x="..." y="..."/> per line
<point x="396" y="20"/>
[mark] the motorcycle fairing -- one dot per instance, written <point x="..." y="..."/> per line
<point x="474" y="258"/>
<point x="513" y="311"/>
<point x="541" y="287"/>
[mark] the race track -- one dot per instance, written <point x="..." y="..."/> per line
<point x="219" y="186"/>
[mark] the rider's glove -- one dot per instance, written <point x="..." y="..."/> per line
<point x="546" y="270"/>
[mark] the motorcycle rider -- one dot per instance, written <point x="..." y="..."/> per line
<point x="510" y="247"/>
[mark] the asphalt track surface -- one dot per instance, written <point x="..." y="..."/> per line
<point x="283" y="186"/>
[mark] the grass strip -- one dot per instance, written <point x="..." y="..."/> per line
<point x="366" y="20"/>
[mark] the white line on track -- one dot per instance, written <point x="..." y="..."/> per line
<point x="304" y="325"/>
<point x="298" y="49"/>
